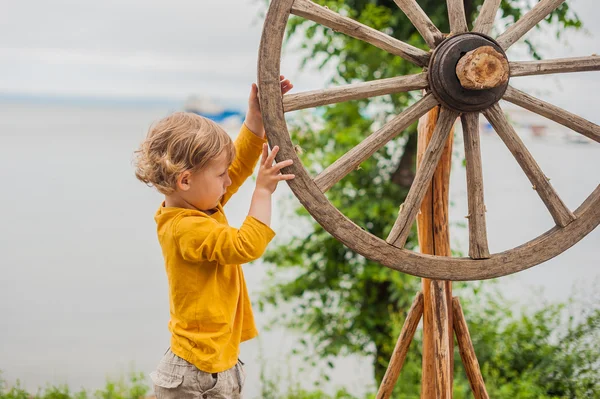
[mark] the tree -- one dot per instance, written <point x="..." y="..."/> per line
<point x="349" y="304"/>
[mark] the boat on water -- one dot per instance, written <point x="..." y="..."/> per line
<point x="211" y="110"/>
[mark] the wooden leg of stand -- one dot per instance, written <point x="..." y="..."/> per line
<point x="406" y="336"/>
<point x="441" y="343"/>
<point x="434" y="239"/>
<point x="467" y="353"/>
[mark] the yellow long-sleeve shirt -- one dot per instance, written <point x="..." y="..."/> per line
<point x="211" y="313"/>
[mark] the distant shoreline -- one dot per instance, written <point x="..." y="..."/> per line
<point x="83" y="100"/>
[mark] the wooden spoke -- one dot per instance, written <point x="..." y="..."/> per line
<point x="559" y="211"/>
<point x="456" y="15"/>
<point x="350" y="161"/>
<point x="487" y="15"/>
<point x="324" y="16"/>
<point x="528" y="21"/>
<point x="421" y="21"/>
<point x="355" y="91"/>
<point x="562" y="65"/>
<point x="409" y="209"/>
<point x="406" y="336"/>
<point x="467" y="352"/>
<point x="553" y="112"/>
<point x="478" y="243"/>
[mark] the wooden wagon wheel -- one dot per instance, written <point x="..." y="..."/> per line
<point x="467" y="73"/>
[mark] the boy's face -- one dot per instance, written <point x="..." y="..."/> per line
<point x="205" y="188"/>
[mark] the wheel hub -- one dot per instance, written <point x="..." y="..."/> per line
<point x="444" y="82"/>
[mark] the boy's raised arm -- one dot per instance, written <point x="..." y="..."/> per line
<point x="248" y="147"/>
<point x="249" y="143"/>
<point x="201" y="239"/>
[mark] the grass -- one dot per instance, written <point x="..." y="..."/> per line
<point x="134" y="387"/>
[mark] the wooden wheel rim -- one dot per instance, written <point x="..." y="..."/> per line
<point x="544" y="247"/>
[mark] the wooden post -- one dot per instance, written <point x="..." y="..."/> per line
<point x="442" y="339"/>
<point x="432" y="226"/>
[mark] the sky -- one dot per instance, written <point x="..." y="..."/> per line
<point x="176" y="48"/>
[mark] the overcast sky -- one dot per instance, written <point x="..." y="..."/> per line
<point x="176" y="48"/>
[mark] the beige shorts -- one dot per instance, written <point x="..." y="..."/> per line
<point x="176" y="378"/>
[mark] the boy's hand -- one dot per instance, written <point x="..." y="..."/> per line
<point x="268" y="174"/>
<point x="254" y="120"/>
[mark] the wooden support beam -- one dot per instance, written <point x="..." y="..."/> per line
<point x="467" y="352"/>
<point x="434" y="239"/>
<point x="442" y="339"/>
<point x="406" y="336"/>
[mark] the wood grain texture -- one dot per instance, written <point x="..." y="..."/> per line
<point x="553" y="112"/>
<point x="428" y="350"/>
<point x="353" y="158"/>
<point x="442" y="336"/>
<point x="434" y="239"/>
<point x="541" y="184"/>
<point x="425" y="234"/>
<point x="430" y="33"/>
<point x="546" y="246"/>
<point x="324" y="16"/>
<point x="559" y="65"/>
<point x="408" y="212"/>
<point x="400" y="351"/>
<point x="456" y="16"/>
<point x="356" y="91"/>
<point x="478" y="242"/>
<point x="528" y="21"/>
<point x="485" y="21"/>
<point x="467" y="352"/>
<point x="482" y="68"/>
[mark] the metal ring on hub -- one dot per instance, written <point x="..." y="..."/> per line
<point x="445" y="85"/>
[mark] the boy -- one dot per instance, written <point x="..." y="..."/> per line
<point x="194" y="163"/>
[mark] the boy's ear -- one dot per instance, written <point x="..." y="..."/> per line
<point x="183" y="180"/>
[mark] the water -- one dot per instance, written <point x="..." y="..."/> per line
<point x="83" y="293"/>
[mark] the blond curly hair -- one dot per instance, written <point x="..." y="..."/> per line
<point x="179" y="142"/>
